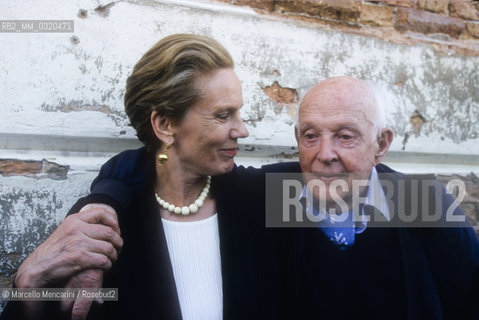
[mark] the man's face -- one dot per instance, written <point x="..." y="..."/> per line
<point x="336" y="137"/>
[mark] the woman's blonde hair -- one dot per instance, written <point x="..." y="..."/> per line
<point x="163" y="80"/>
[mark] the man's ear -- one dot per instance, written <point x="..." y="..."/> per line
<point x="384" y="142"/>
<point x="162" y="127"/>
<point x="296" y="133"/>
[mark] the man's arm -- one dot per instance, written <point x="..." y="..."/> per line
<point x="80" y="249"/>
<point x="120" y="178"/>
<point x="86" y="240"/>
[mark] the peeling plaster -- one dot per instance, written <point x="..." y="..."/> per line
<point x="36" y="169"/>
<point x="104" y="10"/>
<point x="75" y="106"/>
<point x="417" y="121"/>
<point x="82" y="14"/>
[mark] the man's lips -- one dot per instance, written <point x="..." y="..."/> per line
<point x="328" y="177"/>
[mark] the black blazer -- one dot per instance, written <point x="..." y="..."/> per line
<point x="389" y="273"/>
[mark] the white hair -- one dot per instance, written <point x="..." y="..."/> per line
<point x="379" y="115"/>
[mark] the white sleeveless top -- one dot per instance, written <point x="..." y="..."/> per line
<point x="194" y="249"/>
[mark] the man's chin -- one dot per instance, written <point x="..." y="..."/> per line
<point x="325" y="201"/>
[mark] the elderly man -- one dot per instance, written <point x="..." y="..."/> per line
<point x="349" y="269"/>
<point x="342" y="266"/>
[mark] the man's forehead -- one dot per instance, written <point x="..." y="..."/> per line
<point x="336" y="107"/>
<point x="344" y="94"/>
<point x="341" y="121"/>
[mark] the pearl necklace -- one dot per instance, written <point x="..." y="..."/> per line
<point x="186" y="210"/>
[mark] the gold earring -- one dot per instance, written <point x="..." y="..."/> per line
<point x="163" y="157"/>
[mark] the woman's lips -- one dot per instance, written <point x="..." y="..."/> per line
<point x="230" y="151"/>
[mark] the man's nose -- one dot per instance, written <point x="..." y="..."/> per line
<point x="327" y="151"/>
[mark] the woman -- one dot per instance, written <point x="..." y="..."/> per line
<point x="190" y="246"/>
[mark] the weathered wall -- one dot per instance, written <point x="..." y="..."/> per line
<point x="62" y="94"/>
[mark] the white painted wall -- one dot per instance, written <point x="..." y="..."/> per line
<point x="42" y="73"/>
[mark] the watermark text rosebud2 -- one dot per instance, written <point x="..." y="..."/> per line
<point x="411" y="201"/>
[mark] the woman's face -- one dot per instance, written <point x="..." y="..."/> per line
<point x="206" y="140"/>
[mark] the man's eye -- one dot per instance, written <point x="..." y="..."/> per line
<point x="345" y="137"/>
<point x="309" y="136"/>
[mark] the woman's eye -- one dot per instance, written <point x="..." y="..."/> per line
<point x="223" y="116"/>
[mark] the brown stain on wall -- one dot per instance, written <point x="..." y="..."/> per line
<point x="285" y="97"/>
<point x="417" y="120"/>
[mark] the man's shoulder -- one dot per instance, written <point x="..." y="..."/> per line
<point x="282" y="167"/>
<point x="130" y="166"/>
<point x="128" y="157"/>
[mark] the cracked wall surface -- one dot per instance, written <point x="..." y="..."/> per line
<point x="76" y="88"/>
<point x="62" y="106"/>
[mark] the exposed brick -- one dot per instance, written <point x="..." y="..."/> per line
<point x="37" y="169"/>
<point x="281" y="94"/>
<point x="472" y="31"/>
<point x="426" y="22"/>
<point x="376" y="15"/>
<point x="310" y="8"/>
<point x="17" y="167"/>
<point x="339" y="10"/>
<point x="401" y="3"/>
<point x="344" y="10"/>
<point x="267" y="5"/>
<point x="463" y="9"/>
<point x="285" y="97"/>
<point x="439" y="6"/>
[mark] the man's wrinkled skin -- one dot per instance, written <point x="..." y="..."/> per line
<point x="76" y="254"/>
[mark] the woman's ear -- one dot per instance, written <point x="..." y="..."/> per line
<point x="162" y="128"/>
<point x="384" y="142"/>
